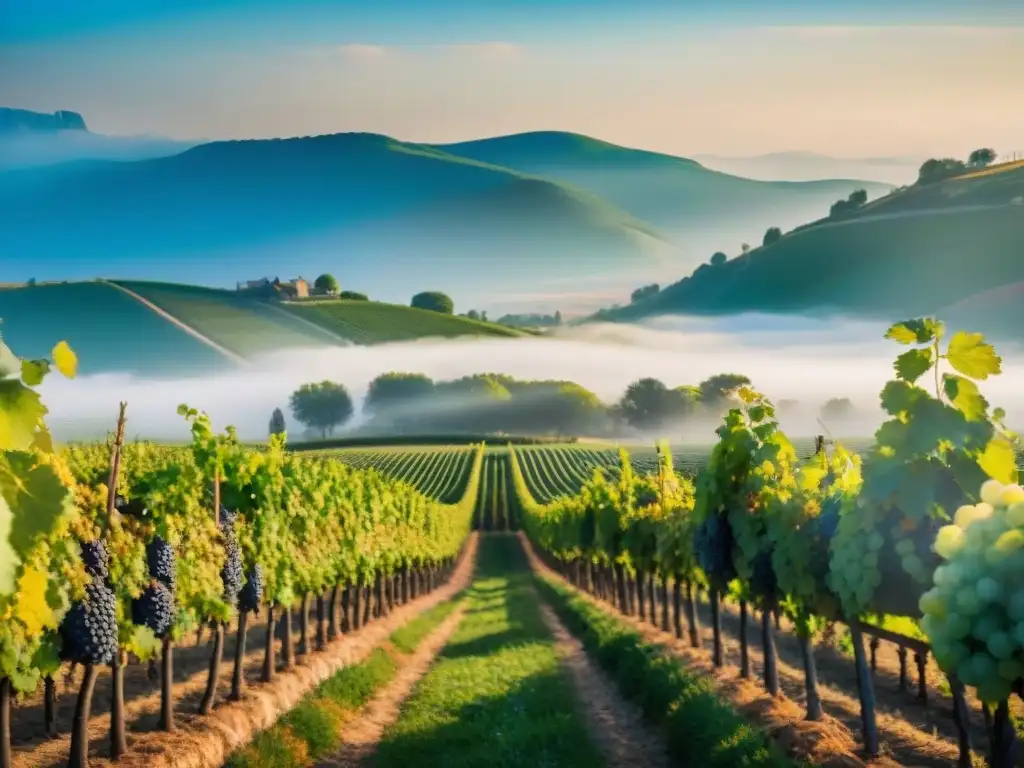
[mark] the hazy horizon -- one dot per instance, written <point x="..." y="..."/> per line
<point x="810" y="361"/>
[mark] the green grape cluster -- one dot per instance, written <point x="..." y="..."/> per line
<point x="974" y="615"/>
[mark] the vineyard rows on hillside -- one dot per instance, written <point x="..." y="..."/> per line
<point x="440" y="472"/>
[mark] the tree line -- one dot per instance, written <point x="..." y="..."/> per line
<point x="413" y="403"/>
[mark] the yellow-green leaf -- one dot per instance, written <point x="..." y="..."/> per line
<point x="999" y="460"/>
<point x="8" y="557"/>
<point x="971" y="356"/>
<point x="965" y="397"/>
<point x="32" y="608"/>
<point x="34" y="371"/>
<point x="21" y="411"/>
<point x="65" y="359"/>
<point x="915" y="331"/>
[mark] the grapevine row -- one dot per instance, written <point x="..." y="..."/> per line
<point x="928" y="524"/>
<point x="113" y="553"/>
<point x="440" y="473"/>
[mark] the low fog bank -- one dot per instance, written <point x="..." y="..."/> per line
<point x="789" y="359"/>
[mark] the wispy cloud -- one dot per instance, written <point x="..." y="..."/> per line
<point x="361" y="51"/>
<point x="494" y="50"/>
<point x="916" y="30"/>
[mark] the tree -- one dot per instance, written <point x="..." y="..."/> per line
<point x="718" y="259"/>
<point x="277" y="425"/>
<point x="473" y="314"/>
<point x="745" y="247"/>
<point x="934" y="170"/>
<point x="858" y="197"/>
<point x="558" y="317"/>
<point x="353" y="296"/>
<point x="324" y="405"/>
<point x="395" y="391"/>
<point x="435" y="301"/>
<point x="837" y="409"/>
<point x="772" y="235"/>
<point x="981" y="157"/>
<point x="714" y="391"/>
<point x="647" y="404"/>
<point x="326" y="284"/>
<point x="644" y="292"/>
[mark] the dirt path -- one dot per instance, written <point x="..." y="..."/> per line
<point x="616" y="726"/>
<point x="361" y="735"/>
<point x="206" y="741"/>
<point x="179" y="324"/>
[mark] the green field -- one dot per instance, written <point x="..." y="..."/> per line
<point x="112" y="331"/>
<point x="244" y="326"/>
<point x="374" y="322"/>
<point x="109" y="330"/>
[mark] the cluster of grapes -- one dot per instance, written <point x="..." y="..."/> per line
<point x="89" y="629"/>
<point x="252" y="593"/>
<point x="974" y="615"/>
<point x="713" y="543"/>
<point x="231" y="573"/>
<point x="154" y="608"/>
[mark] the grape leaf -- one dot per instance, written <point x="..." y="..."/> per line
<point x="21" y="412"/>
<point x="916" y="494"/>
<point x="913" y="364"/>
<point x="999" y="460"/>
<point x="32" y="608"/>
<point x="47" y="656"/>
<point x="899" y="396"/>
<point x="34" y="371"/>
<point x="971" y="356"/>
<point x="965" y="396"/>
<point x="65" y="360"/>
<point x="8" y="557"/>
<point x="36" y="496"/>
<point x="915" y="331"/>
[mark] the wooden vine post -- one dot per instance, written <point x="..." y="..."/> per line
<point x="217" y="656"/>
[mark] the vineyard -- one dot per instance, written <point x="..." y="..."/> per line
<point x="883" y="586"/>
<point x="112" y="554"/>
<point x="441" y="472"/>
<point x="926" y="527"/>
<point x="372" y="322"/>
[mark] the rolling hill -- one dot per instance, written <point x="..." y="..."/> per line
<point x="156" y="329"/>
<point x="379" y="213"/>
<point x="675" y="194"/>
<point x="923" y="249"/>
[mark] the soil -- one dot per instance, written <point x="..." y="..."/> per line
<point x="362" y="734"/>
<point x="206" y="741"/>
<point x="617" y="727"/>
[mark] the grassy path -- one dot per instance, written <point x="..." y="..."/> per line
<point x="498" y="695"/>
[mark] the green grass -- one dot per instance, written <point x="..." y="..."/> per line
<point x="496" y="696"/>
<point x="701" y="729"/>
<point x="311" y="730"/>
<point x="245" y="326"/>
<point x="374" y="322"/>
<point x="109" y="330"/>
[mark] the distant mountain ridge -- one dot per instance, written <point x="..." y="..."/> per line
<point x="17" y="121"/>
<point x="33" y="139"/>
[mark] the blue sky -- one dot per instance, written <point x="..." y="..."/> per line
<point x="689" y="76"/>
